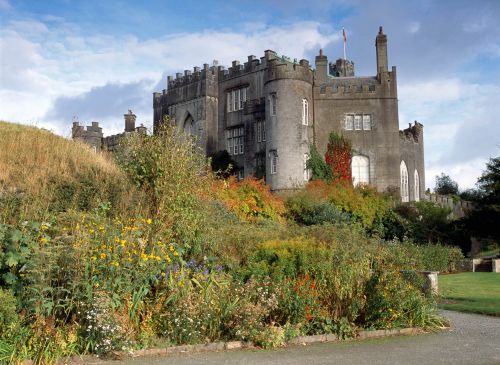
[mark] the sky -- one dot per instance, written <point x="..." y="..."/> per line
<point x="93" y="60"/>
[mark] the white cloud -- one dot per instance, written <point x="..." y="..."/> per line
<point x="414" y="27"/>
<point x="58" y="61"/>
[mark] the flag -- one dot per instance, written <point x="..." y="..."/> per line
<point x="343" y="33"/>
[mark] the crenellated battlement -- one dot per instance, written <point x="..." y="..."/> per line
<point x="413" y="133"/>
<point x="197" y="74"/>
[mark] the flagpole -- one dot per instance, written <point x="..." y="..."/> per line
<point x="343" y="33"/>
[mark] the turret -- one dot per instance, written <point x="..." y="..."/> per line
<point x="381" y="47"/>
<point x="129" y="121"/>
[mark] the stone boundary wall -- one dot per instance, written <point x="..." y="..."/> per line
<point x="458" y="207"/>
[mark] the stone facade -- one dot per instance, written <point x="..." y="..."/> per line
<point x="267" y="113"/>
<point x="93" y="135"/>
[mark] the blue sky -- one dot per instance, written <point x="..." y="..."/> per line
<point x="97" y="59"/>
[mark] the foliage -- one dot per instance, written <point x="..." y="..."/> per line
<point x="319" y="168"/>
<point x="171" y="171"/>
<point x="222" y="164"/>
<point x="338" y="157"/>
<point x="445" y="185"/>
<point x="483" y="221"/>
<point x="427" y="222"/>
<point x="362" y="204"/>
<point x="250" y="199"/>
<point x="8" y="313"/>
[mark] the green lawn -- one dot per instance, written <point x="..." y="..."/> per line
<point x="477" y="292"/>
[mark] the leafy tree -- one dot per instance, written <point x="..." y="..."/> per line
<point x="445" y="185"/>
<point x="489" y="182"/>
<point x="483" y="222"/>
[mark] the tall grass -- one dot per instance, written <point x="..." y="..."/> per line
<point x="41" y="172"/>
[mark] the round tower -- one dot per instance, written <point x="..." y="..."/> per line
<point x="289" y="122"/>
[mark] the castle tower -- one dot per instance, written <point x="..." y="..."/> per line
<point x="289" y="121"/>
<point x="130" y="121"/>
<point x="381" y="47"/>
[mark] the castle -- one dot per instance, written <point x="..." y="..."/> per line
<point x="267" y="113"/>
<point x="93" y="136"/>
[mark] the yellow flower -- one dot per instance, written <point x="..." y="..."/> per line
<point x="91" y="230"/>
<point x="163" y="274"/>
<point x="144" y="256"/>
<point x="168" y="258"/>
<point x="43" y="240"/>
<point x="175" y="253"/>
<point x="103" y="255"/>
<point x="122" y="243"/>
<point x="96" y="285"/>
<point x="101" y="228"/>
<point x="149" y="221"/>
<point x="115" y="264"/>
<point x="158" y="258"/>
<point x="171" y="248"/>
<point x="117" y="239"/>
<point x="93" y="258"/>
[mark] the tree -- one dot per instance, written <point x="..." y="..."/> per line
<point x="445" y="185"/>
<point x="483" y="221"/>
<point x="319" y="169"/>
<point x="489" y="182"/>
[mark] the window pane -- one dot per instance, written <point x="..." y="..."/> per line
<point x="349" y="122"/>
<point x="241" y="145"/>
<point x="367" y="123"/>
<point x="357" y="122"/>
<point x="263" y="130"/>
<point x="229" y="102"/>
<point x="259" y="131"/>
<point x="235" y="100"/>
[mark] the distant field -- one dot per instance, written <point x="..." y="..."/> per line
<point x="475" y="292"/>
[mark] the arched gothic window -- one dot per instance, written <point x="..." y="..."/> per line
<point x="189" y="125"/>
<point x="416" y="186"/>
<point x="360" y="167"/>
<point x="405" y="196"/>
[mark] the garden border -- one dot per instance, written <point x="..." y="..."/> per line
<point x="234" y="345"/>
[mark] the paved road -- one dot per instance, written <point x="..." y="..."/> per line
<point x="472" y="339"/>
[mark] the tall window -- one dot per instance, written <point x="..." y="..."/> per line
<point x="261" y="130"/>
<point x="305" y="112"/>
<point x="358" y="122"/>
<point x="273" y="103"/>
<point x="189" y="125"/>
<point x="405" y="196"/>
<point x="360" y="167"/>
<point x="235" y="141"/>
<point x="236" y="99"/>
<point x="307" y="171"/>
<point x="274" y="162"/>
<point x="416" y="185"/>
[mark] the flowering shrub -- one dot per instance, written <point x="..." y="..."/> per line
<point x="250" y="199"/>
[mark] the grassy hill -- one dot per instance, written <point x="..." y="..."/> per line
<point x="41" y="172"/>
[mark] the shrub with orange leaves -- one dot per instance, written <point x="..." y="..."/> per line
<point x="250" y="199"/>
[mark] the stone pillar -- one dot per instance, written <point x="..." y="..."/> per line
<point x="495" y="265"/>
<point x="431" y="282"/>
<point x="476" y="262"/>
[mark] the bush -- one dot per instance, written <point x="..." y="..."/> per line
<point x="250" y="199"/>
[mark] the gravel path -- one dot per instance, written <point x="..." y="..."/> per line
<point x="472" y="339"/>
